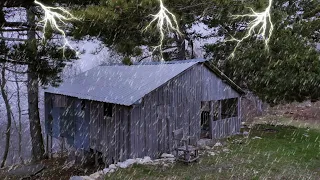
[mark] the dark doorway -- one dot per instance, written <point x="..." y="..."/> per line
<point x="205" y="120"/>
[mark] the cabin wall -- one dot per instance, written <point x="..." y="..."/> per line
<point x="213" y="87"/>
<point x="59" y="116"/>
<point x="86" y="128"/>
<point x="110" y="136"/>
<point x="172" y="106"/>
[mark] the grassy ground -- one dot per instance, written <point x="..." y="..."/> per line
<point x="284" y="152"/>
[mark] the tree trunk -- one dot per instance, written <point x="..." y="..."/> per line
<point x="38" y="151"/>
<point x="9" y="120"/>
<point x="19" y="117"/>
<point x="181" y="45"/>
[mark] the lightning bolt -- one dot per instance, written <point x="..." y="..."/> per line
<point x="260" y="18"/>
<point x="165" y="21"/>
<point x="52" y="18"/>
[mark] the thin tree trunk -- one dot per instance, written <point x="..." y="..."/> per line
<point x="38" y="151"/>
<point x="9" y="120"/>
<point x="19" y="117"/>
<point x="192" y="49"/>
<point x="181" y="47"/>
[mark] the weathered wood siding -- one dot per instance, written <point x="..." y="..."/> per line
<point x="221" y="128"/>
<point x="174" y="105"/>
<point x="82" y="124"/>
<point x="85" y="129"/>
<point x="110" y="136"/>
<point x="213" y="87"/>
<point x="225" y="127"/>
<point x="145" y="129"/>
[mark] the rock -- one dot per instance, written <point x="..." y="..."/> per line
<point x="76" y="178"/>
<point x="112" y="166"/>
<point x="211" y="153"/>
<point x="87" y="178"/>
<point x="245" y="133"/>
<point x="218" y="144"/>
<point x="95" y="175"/>
<point x="145" y="160"/>
<point x="165" y="155"/>
<point x="171" y="159"/>
<point x="112" y="170"/>
<point x="131" y="161"/>
<point x="257" y="137"/>
<point x="122" y="165"/>
<point x="106" y="170"/>
<point x="207" y="147"/>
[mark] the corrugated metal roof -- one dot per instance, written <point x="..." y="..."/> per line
<point x="121" y="84"/>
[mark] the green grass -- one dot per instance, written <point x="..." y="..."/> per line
<point x="284" y="152"/>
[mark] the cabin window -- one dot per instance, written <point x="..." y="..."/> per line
<point x="216" y="110"/>
<point x="107" y="110"/>
<point x="229" y="108"/>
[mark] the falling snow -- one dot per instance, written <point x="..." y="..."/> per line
<point x="254" y="115"/>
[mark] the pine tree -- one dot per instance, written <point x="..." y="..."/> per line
<point x="290" y="70"/>
<point x="44" y="61"/>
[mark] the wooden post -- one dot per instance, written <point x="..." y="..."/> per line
<point x="51" y="147"/>
<point x="211" y="114"/>
<point x="105" y="159"/>
<point x="239" y="114"/>
<point x="62" y="146"/>
<point x="47" y="145"/>
<point x="95" y="157"/>
<point x="220" y="120"/>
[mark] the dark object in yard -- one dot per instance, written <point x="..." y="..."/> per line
<point x="189" y="148"/>
<point x="27" y="171"/>
<point x="269" y="130"/>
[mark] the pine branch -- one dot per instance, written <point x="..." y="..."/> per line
<point x="16" y="3"/>
<point x="13" y="61"/>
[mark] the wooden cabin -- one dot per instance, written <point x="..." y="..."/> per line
<point x="130" y="111"/>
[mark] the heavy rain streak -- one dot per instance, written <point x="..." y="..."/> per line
<point x="159" y="89"/>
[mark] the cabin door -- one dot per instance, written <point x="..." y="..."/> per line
<point x="82" y="126"/>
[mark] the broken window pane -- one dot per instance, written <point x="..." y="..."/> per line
<point x="229" y="108"/>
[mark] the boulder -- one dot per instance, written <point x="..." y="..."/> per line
<point x="165" y="155"/>
<point x="218" y="144"/>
